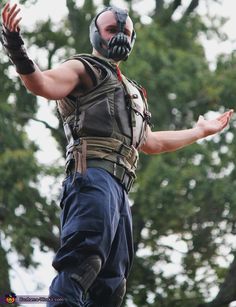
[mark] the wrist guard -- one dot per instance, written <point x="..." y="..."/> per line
<point x="14" y="46"/>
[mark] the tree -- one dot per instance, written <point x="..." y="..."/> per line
<point x="22" y="210"/>
<point x="27" y="218"/>
<point x="186" y="189"/>
<point x="183" y="202"/>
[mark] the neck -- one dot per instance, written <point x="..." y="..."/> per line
<point x="97" y="54"/>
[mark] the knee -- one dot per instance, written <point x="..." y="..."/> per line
<point x="108" y="298"/>
<point x="73" y="282"/>
<point x="87" y="272"/>
<point x="118" y="295"/>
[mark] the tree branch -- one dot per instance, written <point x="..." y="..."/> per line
<point x="227" y="292"/>
<point x="26" y="116"/>
<point x="5" y="279"/>
<point x="159" y="7"/>
<point x="192" y="6"/>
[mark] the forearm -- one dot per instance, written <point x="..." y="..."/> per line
<point x="35" y="82"/>
<point x="51" y="84"/>
<point x="33" y="79"/>
<point x="167" y="141"/>
<point x="54" y="83"/>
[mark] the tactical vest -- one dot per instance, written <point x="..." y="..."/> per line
<point x="106" y="126"/>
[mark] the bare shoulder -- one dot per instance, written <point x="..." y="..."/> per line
<point x="73" y="66"/>
<point x="76" y="67"/>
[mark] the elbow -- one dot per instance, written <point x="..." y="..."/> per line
<point x="34" y="91"/>
<point x="39" y="90"/>
<point x="153" y="145"/>
<point x="37" y="86"/>
<point x="34" y="88"/>
<point x="43" y="94"/>
<point x="153" y="149"/>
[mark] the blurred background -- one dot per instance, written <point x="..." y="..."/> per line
<point x="183" y="203"/>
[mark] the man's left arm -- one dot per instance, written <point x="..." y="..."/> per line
<point x="167" y="141"/>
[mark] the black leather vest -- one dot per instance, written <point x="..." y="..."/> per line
<point x="115" y="109"/>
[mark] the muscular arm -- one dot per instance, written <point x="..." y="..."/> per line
<point x="52" y="84"/>
<point x="166" y="141"/>
<point x="55" y="83"/>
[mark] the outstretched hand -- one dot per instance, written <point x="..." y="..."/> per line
<point x="212" y="126"/>
<point x="10" y="17"/>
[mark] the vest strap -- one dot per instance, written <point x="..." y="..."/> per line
<point x="119" y="172"/>
<point x="102" y="148"/>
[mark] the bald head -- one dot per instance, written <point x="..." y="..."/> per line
<point x="112" y="34"/>
<point x="107" y="25"/>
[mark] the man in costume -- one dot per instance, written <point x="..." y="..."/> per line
<point x="107" y="124"/>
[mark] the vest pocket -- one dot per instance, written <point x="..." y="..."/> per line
<point x="96" y="119"/>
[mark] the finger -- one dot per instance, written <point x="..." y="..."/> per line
<point x="200" y="118"/>
<point x="13" y="15"/>
<point x="15" y="26"/>
<point x="4" y="12"/>
<point x="229" y="115"/>
<point x="224" y="119"/>
<point x="13" y="20"/>
<point x="231" y="112"/>
<point x="224" y="124"/>
<point x="6" y="7"/>
<point x="226" y="116"/>
<point x="10" y="13"/>
<point x="221" y="116"/>
<point x="221" y="125"/>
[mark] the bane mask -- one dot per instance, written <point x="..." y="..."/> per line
<point x="118" y="47"/>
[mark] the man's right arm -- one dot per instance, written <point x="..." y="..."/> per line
<point x="51" y="84"/>
<point x="55" y="83"/>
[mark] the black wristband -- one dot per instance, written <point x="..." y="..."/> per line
<point x="14" y="46"/>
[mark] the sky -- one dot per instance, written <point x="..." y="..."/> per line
<point x="46" y="8"/>
<point x="25" y="282"/>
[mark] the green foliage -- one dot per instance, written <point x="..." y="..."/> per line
<point x="25" y="215"/>
<point x="184" y="196"/>
<point x="183" y="202"/>
<point x="4" y="280"/>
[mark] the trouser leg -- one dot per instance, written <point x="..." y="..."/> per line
<point x="115" y="300"/>
<point x="73" y="283"/>
<point x="109" y="288"/>
<point x="63" y="287"/>
<point x="93" y="224"/>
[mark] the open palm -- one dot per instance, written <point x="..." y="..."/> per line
<point x="213" y="126"/>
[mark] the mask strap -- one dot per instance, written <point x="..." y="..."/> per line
<point x="121" y="17"/>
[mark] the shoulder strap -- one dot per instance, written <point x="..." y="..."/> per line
<point x="105" y="63"/>
<point x="146" y="115"/>
<point x="89" y="68"/>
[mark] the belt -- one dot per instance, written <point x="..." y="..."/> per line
<point x="125" y="178"/>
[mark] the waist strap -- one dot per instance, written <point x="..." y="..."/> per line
<point x="119" y="172"/>
<point x="101" y="148"/>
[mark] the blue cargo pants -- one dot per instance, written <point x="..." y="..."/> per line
<point x="95" y="220"/>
